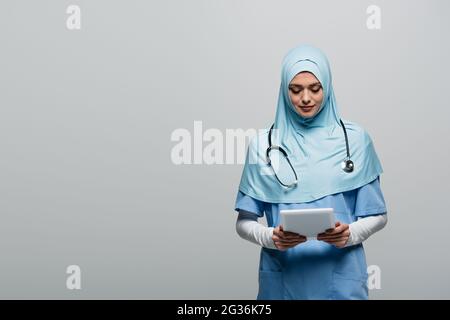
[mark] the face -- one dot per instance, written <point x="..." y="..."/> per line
<point x="306" y="94"/>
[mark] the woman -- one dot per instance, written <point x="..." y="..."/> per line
<point x="318" y="169"/>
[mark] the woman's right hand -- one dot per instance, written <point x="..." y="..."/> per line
<point x="284" y="239"/>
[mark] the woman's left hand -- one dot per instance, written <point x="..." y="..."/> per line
<point x="337" y="236"/>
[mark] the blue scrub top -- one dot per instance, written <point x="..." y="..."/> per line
<point x="315" y="269"/>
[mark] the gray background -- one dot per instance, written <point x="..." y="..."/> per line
<point x="86" y="118"/>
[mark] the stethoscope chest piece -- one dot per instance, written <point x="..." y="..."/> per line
<point x="347" y="165"/>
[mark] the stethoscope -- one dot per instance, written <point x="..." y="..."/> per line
<point x="347" y="165"/>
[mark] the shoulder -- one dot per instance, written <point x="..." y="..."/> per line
<point x="245" y="202"/>
<point x="260" y="140"/>
<point x="357" y="132"/>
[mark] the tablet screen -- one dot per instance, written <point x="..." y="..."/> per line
<point x="307" y="222"/>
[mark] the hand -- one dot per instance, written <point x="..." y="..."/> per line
<point x="284" y="239"/>
<point x="337" y="236"/>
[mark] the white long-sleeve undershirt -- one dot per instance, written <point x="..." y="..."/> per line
<point x="248" y="228"/>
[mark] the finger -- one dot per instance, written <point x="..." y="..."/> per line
<point x="278" y="232"/>
<point x="292" y="237"/>
<point x="279" y="247"/>
<point x="328" y="230"/>
<point x="291" y="241"/>
<point x="331" y="230"/>
<point x="337" y="236"/>
<point x="337" y="224"/>
<point x="336" y="241"/>
<point x="287" y="241"/>
<point x="289" y="233"/>
<point x="332" y="239"/>
<point x="344" y="233"/>
<point x="285" y="234"/>
<point x="341" y="227"/>
<point x="297" y="236"/>
<point x="339" y="244"/>
<point x="286" y="246"/>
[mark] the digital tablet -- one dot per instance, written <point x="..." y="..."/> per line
<point x="307" y="222"/>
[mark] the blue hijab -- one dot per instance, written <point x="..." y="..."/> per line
<point x="315" y="145"/>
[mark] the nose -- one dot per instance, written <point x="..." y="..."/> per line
<point x="306" y="98"/>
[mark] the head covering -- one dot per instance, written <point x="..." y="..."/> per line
<point x="315" y="145"/>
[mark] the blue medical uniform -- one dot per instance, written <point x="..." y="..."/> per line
<point x="315" y="269"/>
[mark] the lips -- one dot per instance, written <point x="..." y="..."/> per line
<point x="306" y="109"/>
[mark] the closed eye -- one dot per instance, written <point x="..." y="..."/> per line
<point x="315" y="90"/>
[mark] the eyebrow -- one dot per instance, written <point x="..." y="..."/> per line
<point x="299" y="85"/>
